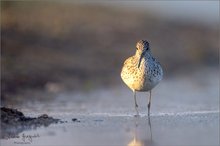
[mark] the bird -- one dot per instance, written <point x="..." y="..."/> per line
<point x="142" y="72"/>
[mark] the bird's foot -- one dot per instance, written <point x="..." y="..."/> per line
<point x="137" y="112"/>
<point x="148" y="114"/>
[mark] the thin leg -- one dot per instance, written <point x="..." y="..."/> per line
<point x="135" y="102"/>
<point x="149" y="102"/>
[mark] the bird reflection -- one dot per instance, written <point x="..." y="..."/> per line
<point x="140" y="137"/>
<point x="135" y="142"/>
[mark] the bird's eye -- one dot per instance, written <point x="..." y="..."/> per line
<point x="136" y="48"/>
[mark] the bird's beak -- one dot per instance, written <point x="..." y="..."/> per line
<point x="142" y="55"/>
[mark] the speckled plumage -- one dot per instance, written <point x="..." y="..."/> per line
<point x="141" y="72"/>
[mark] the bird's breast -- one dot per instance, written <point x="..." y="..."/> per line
<point x="143" y="78"/>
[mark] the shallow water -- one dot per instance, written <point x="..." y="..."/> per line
<point x="189" y="129"/>
<point x="187" y="93"/>
<point x="185" y="111"/>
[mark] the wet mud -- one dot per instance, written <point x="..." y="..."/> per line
<point x="14" y="122"/>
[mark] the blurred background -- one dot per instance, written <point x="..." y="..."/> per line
<point x="48" y="47"/>
<point x="64" y="58"/>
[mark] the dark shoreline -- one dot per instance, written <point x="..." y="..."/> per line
<point x="14" y="122"/>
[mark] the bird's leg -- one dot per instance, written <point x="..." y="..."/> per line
<point x="149" y="102"/>
<point x="136" y="105"/>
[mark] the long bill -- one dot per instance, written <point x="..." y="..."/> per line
<point x="139" y="63"/>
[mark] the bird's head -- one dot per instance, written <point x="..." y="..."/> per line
<point x="142" y="47"/>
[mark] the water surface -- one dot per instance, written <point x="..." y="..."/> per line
<point x="185" y="111"/>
